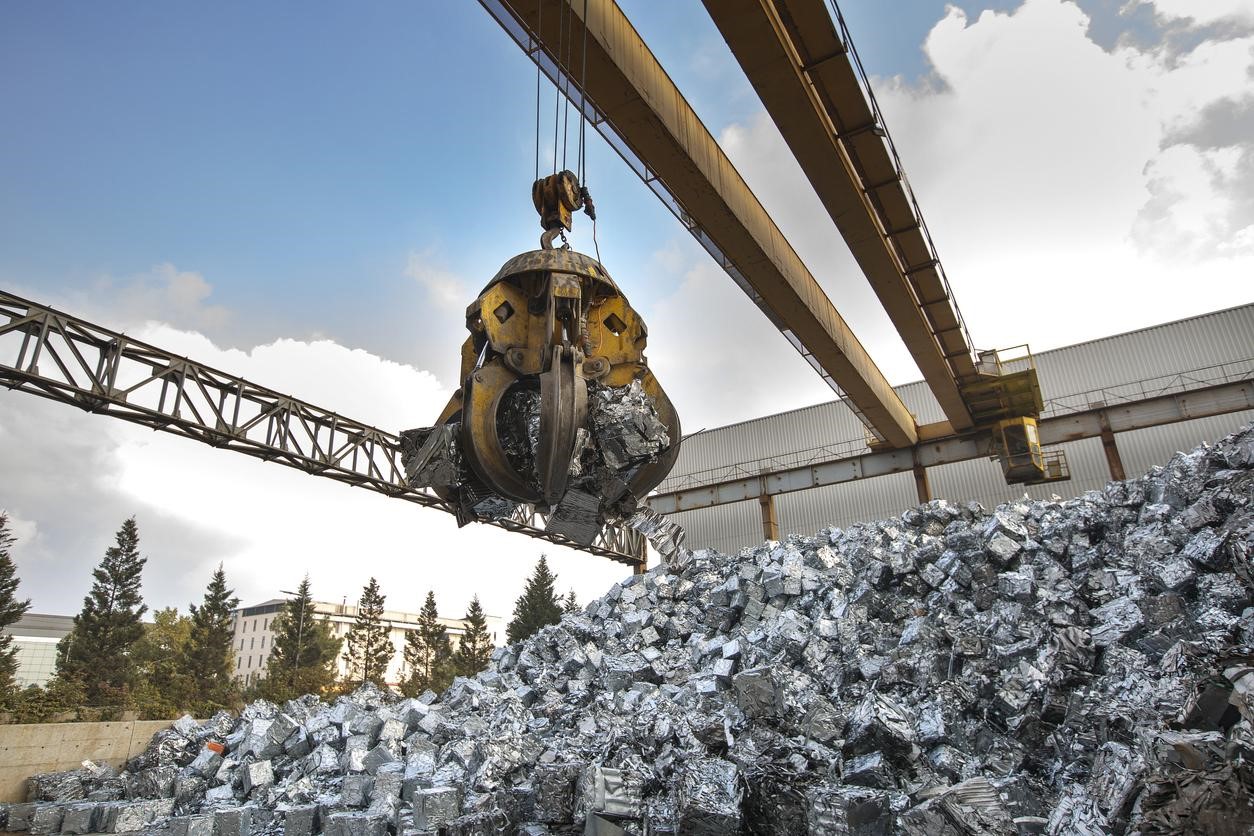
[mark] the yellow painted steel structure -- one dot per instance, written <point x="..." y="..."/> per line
<point x="804" y="72"/>
<point x="627" y="87"/>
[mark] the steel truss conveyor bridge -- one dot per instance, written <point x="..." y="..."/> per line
<point x="67" y="359"/>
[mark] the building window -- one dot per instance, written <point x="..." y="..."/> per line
<point x="263" y="642"/>
<point x="252" y="643"/>
<point x="241" y="645"/>
<point x="250" y="661"/>
<point x="266" y="624"/>
<point x="239" y="662"/>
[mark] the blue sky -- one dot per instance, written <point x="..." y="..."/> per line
<point x="239" y="181"/>
<point x="295" y="155"/>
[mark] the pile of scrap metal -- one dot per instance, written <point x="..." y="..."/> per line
<point x="558" y="408"/>
<point x="1060" y="667"/>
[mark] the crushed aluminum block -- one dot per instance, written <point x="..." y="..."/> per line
<point x="376" y="758"/>
<point x="576" y="517"/>
<point x="135" y="815"/>
<point x="431" y="456"/>
<point x="47" y="819"/>
<point x="19" y="816"/>
<point x="757" y="693"/>
<point x="615" y="793"/>
<point x="436" y="807"/>
<point x="156" y="782"/>
<point x="1116" y="620"/>
<point x="388" y="782"/>
<point x="235" y="821"/>
<point x="869" y="770"/>
<point x="848" y="811"/>
<point x="301" y="820"/>
<point x="355" y="791"/>
<point x="193" y="826"/>
<point x="81" y="818"/>
<point x="206" y="763"/>
<point x="597" y="825"/>
<point x="257" y="774"/>
<point x="708" y="798"/>
<point x="879" y="723"/>
<point x="355" y="824"/>
<point x="553" y="789"/>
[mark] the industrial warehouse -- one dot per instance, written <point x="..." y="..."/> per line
<point x="1013" y="597"/>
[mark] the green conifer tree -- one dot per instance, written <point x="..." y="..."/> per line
<point x="206" y="657"/>
<point x="305" y="648"/>
<point x="370" y="640"/>
<point x="97" y="651"/>
<point x="475" y="648"/>
<point x="537" y="606"/>
<point x="11" y="609"/>
<point x="162" y="691"/>
<point x="428" y="653"/>
<point x="570" y="604"/>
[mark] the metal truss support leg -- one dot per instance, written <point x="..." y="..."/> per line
<point x="1113" y="460"/>
<point x="770" y="521"/>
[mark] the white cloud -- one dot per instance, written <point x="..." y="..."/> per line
<point x="719" y="359"/>
<point x="1203" y="12"/>
<point x="1046" y="170"/>
<point x="445" y="287"/>
<point x="165" y="293"/>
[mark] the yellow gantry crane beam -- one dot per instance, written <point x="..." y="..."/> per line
<point x="812" y="84"/>
<point x="631" y="100"/>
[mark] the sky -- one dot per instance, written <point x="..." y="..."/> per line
<point x="309" y="196"/>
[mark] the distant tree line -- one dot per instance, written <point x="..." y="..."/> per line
<point x="112" y="661"/>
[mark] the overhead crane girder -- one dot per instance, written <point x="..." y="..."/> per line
<point x="636" y="101"/>
<point x="804" y="73"/>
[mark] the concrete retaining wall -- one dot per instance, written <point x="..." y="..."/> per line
<point x="29" y="748"/>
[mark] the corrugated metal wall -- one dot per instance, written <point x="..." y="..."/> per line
<point x="1118" y="363"/>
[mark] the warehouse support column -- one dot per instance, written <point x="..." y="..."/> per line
<point x="1113" y="461"/>
<point x="921" y="485"/>
<point x="770" y="522"/>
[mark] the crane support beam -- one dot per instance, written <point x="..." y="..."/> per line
<point x="1149" y="412"/>
<point x="633" y="103"/>
<point x="808" y="78"/>
<point x="67" y="359"/>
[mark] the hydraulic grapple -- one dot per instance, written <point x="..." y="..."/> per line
<point x="558" y="407"/>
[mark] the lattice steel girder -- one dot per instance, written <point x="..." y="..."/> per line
<point x="634" y="104"/>
<point x="805" y="75"/>
<point x="67" y="359"/>
<point x="1150" y="412"/>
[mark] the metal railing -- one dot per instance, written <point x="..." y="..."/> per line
<point x="1153" y="387"/>
<point x="67" y="359"/>
<point x="1104" y="396"/>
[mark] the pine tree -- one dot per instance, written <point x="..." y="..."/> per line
<point x="370" y="641"/>
<point x="206" y="657"/>
<point x="570" y="604"/>
<point x="305" y="647"/>
<point x="11" y="609"/>
<point x="428" y="653"/>
<point x="97" y="651"/>
<point x="537" y="606"/>
<point x="475" y="649"/>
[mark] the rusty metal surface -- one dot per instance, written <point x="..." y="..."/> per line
<point x="1151" y="412"/>
<point x="634" y="104"/>
<point x="808" y="77"/>
<point x="58" y="356"/>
